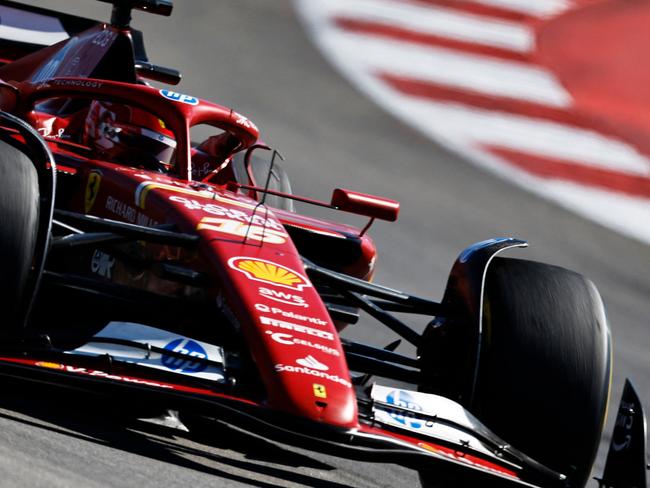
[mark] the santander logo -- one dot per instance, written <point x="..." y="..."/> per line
<point x="311" y="362"/>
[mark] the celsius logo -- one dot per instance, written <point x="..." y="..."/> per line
<point x="404" y="400"/>
<point x="179" y="97"/>
<point x="189" y="348"/>
<point x="311" y="362"/>
<point x="289" y="340"/>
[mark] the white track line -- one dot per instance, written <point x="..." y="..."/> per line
<point x="470" y="72"/>
<point x="622" y="213"/>
<point x="439" y="21"/>
<point x="469" y="125"/>
<point x="360" y="57"/>
<point x="466" y="129"/>
<point x="463" y="125"/>
<point x="538" y="8"/>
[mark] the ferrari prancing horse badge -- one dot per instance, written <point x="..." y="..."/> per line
<point x="92" y="189"/>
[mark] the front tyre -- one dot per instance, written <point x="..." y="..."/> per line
<point x="544" y="372"/>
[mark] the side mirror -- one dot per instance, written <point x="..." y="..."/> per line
<point x="367" y="205"/>
<point x="8" y="97"/>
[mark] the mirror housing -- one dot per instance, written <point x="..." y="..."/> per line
<point x="121" y="16"/>
<point x="367" y="205"/>
<point x="9" y="97"/>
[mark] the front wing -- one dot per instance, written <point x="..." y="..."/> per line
<point x="413" y="429"/>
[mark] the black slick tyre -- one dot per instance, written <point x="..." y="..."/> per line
<point x="544" y="373"/>
<point x="19" y="211"/>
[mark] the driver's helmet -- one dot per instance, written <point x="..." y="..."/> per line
<point x="128" y="135"/>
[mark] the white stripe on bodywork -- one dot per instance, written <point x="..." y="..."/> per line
<point x="418" y="416"/>
<point x="152" y="336"/>
<point x="157" y="136"/>
<point x="23" y="26"/>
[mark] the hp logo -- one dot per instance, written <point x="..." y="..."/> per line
<point x="179" y="97"/>
<point x="189" y="348"/>
<point x="404" y="400"/>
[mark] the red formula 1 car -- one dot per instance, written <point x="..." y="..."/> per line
<point x="151" y="255"/>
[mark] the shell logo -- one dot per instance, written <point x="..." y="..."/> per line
<point x="269" y="272"/>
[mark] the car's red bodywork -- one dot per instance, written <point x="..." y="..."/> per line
<point x="254" y="259"/>
<point x="234" y="228"/>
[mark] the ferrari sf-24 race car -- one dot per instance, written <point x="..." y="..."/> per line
<point x="191" y="284"/>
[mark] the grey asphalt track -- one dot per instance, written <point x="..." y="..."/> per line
<point x="254" y="55"/>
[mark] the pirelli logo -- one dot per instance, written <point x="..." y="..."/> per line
<point x="281" y="324"/>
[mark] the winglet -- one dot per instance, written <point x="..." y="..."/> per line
<point x="626" y="465"/>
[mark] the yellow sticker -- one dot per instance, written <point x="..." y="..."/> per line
<point x="92" y="189"/>
<point x="45" y="364"/>
<point x="319" y="391"/>
<point x="240" y="229"/>
<point x="146" y="187"/>
<point x="269" y="272"/>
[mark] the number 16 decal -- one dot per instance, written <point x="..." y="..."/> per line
<point x="241" y="229"/>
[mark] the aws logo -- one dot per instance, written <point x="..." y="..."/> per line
<point x="283" y="297"/>
<point x="269" y="272"/>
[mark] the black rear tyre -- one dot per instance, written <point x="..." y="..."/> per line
<point x="19" y="213"/>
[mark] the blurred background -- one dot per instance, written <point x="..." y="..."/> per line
<point x="483" y="118"/>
